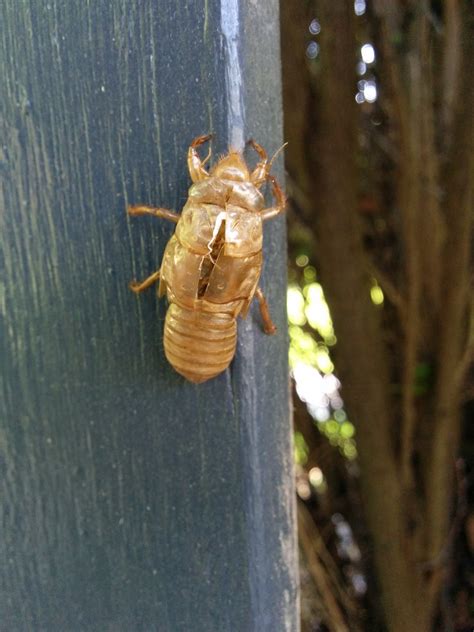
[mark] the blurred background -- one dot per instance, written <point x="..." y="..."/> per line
<point x="379" y="105"/>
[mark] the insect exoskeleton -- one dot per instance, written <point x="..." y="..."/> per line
<point x="212" y="264"/>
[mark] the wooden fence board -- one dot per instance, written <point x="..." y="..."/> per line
<point x="130" y="499"/>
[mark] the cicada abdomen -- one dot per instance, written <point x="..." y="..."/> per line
<point x="199" y="345"/>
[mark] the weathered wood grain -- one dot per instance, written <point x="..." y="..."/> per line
<point x="130" y="499"/>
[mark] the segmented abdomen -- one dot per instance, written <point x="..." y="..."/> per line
<point x="199" y="345"/>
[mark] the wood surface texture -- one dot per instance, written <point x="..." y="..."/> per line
<point x="129" y="498"/>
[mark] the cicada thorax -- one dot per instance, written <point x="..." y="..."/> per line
<point x="210" y="271"/>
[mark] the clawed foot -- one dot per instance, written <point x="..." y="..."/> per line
<point x="134" y="286"/>
<point x="270" y="329"/>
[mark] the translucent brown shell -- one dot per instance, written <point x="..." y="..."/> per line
<point x="212" y="264"/>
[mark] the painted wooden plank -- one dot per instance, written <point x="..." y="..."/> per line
<point x="130" y="499"/>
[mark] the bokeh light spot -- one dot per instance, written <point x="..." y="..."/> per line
<point x="367" y="53"/>
<point x="376" y="294"/>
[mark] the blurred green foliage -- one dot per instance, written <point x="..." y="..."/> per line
<point x="312" y="335"/>
<point x="301" y="449"/>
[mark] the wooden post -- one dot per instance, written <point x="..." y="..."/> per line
<point x="129" y="498"/>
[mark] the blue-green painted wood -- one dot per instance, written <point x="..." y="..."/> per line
<point x="130" y="499"/>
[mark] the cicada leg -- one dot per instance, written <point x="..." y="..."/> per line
<point x="163" y="213"/>
<point x="280" y="198"/>
<point x="262" y="168"/>
<point x="138" y="287"/>
<point x="268" y="326"/>
<point x="260" y="173"/>
<point x="195" y="164"/>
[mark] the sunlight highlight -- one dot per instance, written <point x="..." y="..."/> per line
<point x="367" y="53"/>
<point x="311" y="334"/>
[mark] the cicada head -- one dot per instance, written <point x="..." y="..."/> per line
<point x="231" y="167"/>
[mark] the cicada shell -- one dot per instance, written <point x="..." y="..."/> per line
<point x="212" y="264"/>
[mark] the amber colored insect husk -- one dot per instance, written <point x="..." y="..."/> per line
<point x="212" y="264"/>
